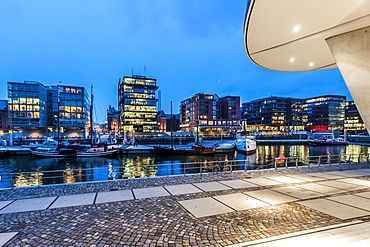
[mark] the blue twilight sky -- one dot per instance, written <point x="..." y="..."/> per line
<point x="189" y="46"/>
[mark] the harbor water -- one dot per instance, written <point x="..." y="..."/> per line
<point x="29" y="170"/>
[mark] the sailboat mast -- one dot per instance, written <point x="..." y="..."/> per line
<point x="58" y="116"/>
<point x="91" y="117"/>
<point x="171" y="127"/>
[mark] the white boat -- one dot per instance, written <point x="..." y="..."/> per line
<point x="227" y="147"/>
<point x="246" y="143"/>
<point x="48" y="143"/>
<point x="136" y="149"/>
<point x="66" y="152"/>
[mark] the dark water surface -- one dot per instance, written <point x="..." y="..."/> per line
<point x="68" y="170"/>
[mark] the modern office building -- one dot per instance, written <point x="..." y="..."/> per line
<point x="324" y="112"/>
<point x="74" y="109"/>
<point x="353" y="122"/>
<point x="209" y="112"/>
<point x="274" y="113"/>
<point x="33" y="108"/>
<point x="137" y="104"/>
<point x="27" y="104"/>
<point x="4" y="125"/>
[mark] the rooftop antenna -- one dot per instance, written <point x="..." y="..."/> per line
<point x="132" y="71"/>
<point x="144" y="70"/>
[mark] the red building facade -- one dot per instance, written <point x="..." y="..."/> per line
<point x="209" y="112"/>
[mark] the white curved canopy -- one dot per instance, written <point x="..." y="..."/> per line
<point x="289" y="35"/>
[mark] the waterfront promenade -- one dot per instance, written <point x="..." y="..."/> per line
<point x="276" y="207"/>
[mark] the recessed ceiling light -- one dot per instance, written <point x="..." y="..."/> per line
<point x="292" y="59"/>
<point x="296" y="28"/>
<point x="310" y="64"/>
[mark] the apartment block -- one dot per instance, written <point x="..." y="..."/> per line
<point x="209" y="112"/>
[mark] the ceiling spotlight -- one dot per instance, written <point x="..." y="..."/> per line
<point x="292" y="59"/>
<point x="310" y="64"/>
<point x="296" y="28"/>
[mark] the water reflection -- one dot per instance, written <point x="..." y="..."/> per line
<point x="28" y="179"/>
<point x="72" y="170"/>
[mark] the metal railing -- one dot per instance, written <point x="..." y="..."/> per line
<point x="320" y="160"/>
<point x="69" y="175"/>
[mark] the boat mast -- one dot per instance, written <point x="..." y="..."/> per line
<point x="58" y="117"/>
<point x="171" y="127"/>
<point x="91" y="117"/>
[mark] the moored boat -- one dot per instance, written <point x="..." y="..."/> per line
<point x="67" y="152"/>
<point x="246" y="143"/>
<point x="136" y="149"/>
<point x="227" y="147"/>
<point x="326" y="139"/>
<point x="192" y="150"/>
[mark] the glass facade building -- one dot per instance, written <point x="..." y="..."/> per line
<point x="27" y="104"/>
<point x="33" y="105"/>
<point x="74" y="106"/>
<point x="353" y="122"/>
<point x="274" y="113"/>
<point x="324" y="112"/>
<point x="137" y="104"/>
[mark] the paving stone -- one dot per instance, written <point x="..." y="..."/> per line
<point x="286" y="179"/>
<point x="335" y="209"/>
<point x="150" y="192"/>
<point x="363" y="194"/>
<point x="114" y="196"/>
<point x="328" y="190"/>
<point x="361" y="172"/>
<point x="298" y="192"/>
<point x="270" y="196"/>
<point x="212" y="186"/>
<point x="4" y="203"/>
<point x="342" y="185"/>
<point x="345" y="174"/>
<point x="261" y="181"/>
<point x="182" y="189"/>
<point x="353" y="200"/>
<point x="6" y="236"/>
<point x="306" y="177"/>
<point x="74" y="200"/>
<point x="342" y="236"/>
<point x="356" y="181"/>
<point x="240" y="201"/>
<point x="205" y="207"/>
<point x="325" y="175"/>
<point x="238" y="184"/>
<point x="28" y="205"/>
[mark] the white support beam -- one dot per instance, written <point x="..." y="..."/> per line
<point x="351" y="51"/>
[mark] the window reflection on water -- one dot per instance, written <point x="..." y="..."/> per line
<point x="71" y="170"/>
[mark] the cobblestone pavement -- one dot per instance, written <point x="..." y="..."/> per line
<point x="160" y="221"/>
